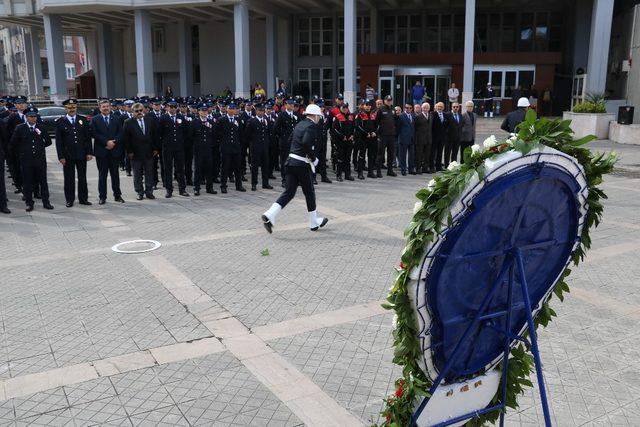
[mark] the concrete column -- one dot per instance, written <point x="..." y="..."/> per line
<point x="105" y="76"/>
<point x="144" y="53"/>
<point x="272" y="55"/>
<point x="34" y="65"/>
<point x="373" y="18"/>
<point x="185" y="58"/>
<point x="601" y="19"/>
<point x="241" y="39"/>
<point x="350" y="15"/>
<point x="55" y="57"/>
<point x="469" y="31"/>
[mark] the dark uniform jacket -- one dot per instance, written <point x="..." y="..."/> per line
<point x="11" y="122"/>
<point x="513" y="119"/>
<point x="303" y="141"/>
<point x="386" y="121"/>
<point x="101" y="134"/>
<point x="227" y="131"/>
<point x="201" y="135"/>
<point x="141" y="145"/>
<point x="343" y="127"/>
<point x="366" y="124"/>
<point x="257" y="134"/>
<point x="172" y="132"/>
<point x="283" y="128"/>
<point x="30" y="145"/>
<point x="423" y="128"/>
<point x="73" y="142"/>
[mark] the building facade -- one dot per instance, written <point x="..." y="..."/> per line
<point x="142" y="47"/>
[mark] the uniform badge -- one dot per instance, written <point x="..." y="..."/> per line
<point x="80" y="122"/>
<point x="37" y="131"/>
<point x="178" y="121"/>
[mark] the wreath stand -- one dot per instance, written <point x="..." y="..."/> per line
<point x="516" y="264"/>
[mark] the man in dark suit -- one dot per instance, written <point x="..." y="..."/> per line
<point x="468" y="133"/>
<point x="257" y="134"/>
<point x="172" y="132"/>
<point x="106" y="130"/>
<point x="140" y="142"/>
<point x="423" y="126"/>
<point x="29" y="142"/>
<point x="227" y="131"/>
<point x="73" y="145"/>
<point x="439" y="133"/>
<point x="282" y="130"/>
<point x="454" y="133"/>
<point x="200" y="133"/>
<point x="406" y="140"/>
<point x="11" y="122"/>
<point x="155" y="114"/>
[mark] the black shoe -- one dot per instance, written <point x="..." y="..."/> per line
<point x="102" y="201"/>
<point x="69" y="204"/>
<point x="241" y="189"/>
<point x="324" y="222"/>
<point x="140" y="197"/>
<point x="216" y="181"/>
<point x="349" y="178"/>
<point x="223" y="190"/>
<point x="403" y="173"/>
<point x="184" y="193"/>
<point x="360" y="175"/>
<point x="151" y="197"/>
<point x="155" y="187"/>
<point x="272" y="177"/>
<point x="379" y="174"/>
<point x="371" y="175"/>
<point x="267" y="187"/>
<point x="29" y="208"/>
<point x="119" y="199"/>
<point x="339" y="178"/>
<point x="48" y="206"/>
<point x="5" y="210"/>
<point x="267" y="224"/>
<point x="391" y="173"/>
<point x="212" y="191"/>
<point x="315" y="181"/>
<point x="18" y="190"/>
<point x="326" y="179"/>
<point x="85" y="202"/>
<point x="168" y="195"/>
<point x="196" y="192"/>
<point x="128" y="173"/>
<point x="253" y="188"/>
<point x="412" y="173"/>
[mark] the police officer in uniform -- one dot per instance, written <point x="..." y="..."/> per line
<point x="202" y="138"/>
<point x="387" y="132"/>
<point x="172" y="130"/>
<point x="3" y="191"/>
<point x="366" y="140"/>
<point x="73" y="145"/>
<point x="324" y="125"/>
<point x="257" y="134"/>
<point x="155" y="114"/>
<point x="29" y="142"/>
<point x="301" y="158"/>
<point x="13" y="159"/>
<point x="228" y="131"/>
<point x="342" y="132"/>
<point x="282" y="130"/>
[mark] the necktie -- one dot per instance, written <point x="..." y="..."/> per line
<point x="141" y="125"/>
<point x="456" y="116"/>
<point x="173" y="119"/>
<point x="472" y="118"/>
<point x="106" y="120"/>
<point x="73" y="121"/>
<point x="441" y="117"/>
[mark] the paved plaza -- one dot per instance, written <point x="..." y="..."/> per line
<point x="208" y="330"/>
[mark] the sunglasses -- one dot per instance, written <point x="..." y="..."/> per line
<point x="138" y="110"/>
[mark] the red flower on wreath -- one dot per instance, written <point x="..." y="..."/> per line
<point x="400" y="389"/>
<point x="402" y="265"/>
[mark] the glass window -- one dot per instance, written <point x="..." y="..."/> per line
<point x="315" y="36"/>
<point x="509" y="83"/>
<point x="70" y="70"/>
<point x="525" y="79"/>
<point x="315" y="81"/>
<point x="401" y="33"/>
<point x="68" y="43"/>
<point x="481" y="33"/>
<point x="480" y="82"/>
<point x="508" y="38"/>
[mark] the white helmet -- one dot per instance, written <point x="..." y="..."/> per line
<point x="313" y="109"/>
<point x="523" y="102"/>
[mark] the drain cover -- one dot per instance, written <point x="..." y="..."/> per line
<point x="136" y="246"/>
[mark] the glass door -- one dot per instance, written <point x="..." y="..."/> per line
<point x="442" y="86"/>
<point x="385" y="83"/>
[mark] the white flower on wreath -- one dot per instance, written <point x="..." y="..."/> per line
<point x="512" y="138"/>
<point x="417" y="207"/>
<point x="394" y="322"/>
<point x="490" y="142"/>
<point x="453" y="165"/>
<point x="475" y="149"/>
<point x="431" y="184"/>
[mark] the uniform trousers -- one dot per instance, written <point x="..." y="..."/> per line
<point x="274" y="161"/>
<point x="143" y="169"/>
<point x="284" y="155"/>
<point x="173" y="157"/>
<point x="367" y="151"/>
<point x="158" y="166"/>
<point x="260" y="159"/>
<point x="34" y="174"/>
<point x="203" y="170"/>
<point x="69" y="171"/>
<point x="188" y="163"/>
<point x="231" y="164"/>
<point x="298" y="175"/>
<point x="3" y="189"/>
<point x="322" y="157"/>
<point x="15" y="168"/>
<point x="386" y="144"/>
<point x="345" y="148"/>
<point x="108" y="165"/>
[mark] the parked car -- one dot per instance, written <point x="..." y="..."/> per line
<point x="49" y="116"/>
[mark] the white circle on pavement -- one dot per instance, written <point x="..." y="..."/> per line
<point x="153" y="246"/>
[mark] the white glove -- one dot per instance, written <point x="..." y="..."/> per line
<point x="315" y="162"/>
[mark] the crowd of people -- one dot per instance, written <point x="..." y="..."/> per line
<point x="199" y="142"/>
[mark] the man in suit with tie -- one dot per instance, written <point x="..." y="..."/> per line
<point x="423" y="143"/>
<point x="108" y="151"/>
<point x="155" y="114"/>
<point x="468" y="133"/>
<point x="406" y="140"/>
<point x="439" y="132"/>
<point x="73" y="145"/>
<point x="227" y="131"/>
<point x="140" y="142"/>
<point x="29" y="142"/>
<point x="172" y="131"/>
<point x="454" y="133"/>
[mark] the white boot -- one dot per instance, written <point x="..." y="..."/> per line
<point x="491" y="114"/>
<point x="315" y="221"/>
<point x="269" y="217"/>
<point x="486" y="114"/>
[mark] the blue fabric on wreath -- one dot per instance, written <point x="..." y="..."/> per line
<point x="535" y="204"/>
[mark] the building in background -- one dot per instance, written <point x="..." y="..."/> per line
<point x="202" y="46"/>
